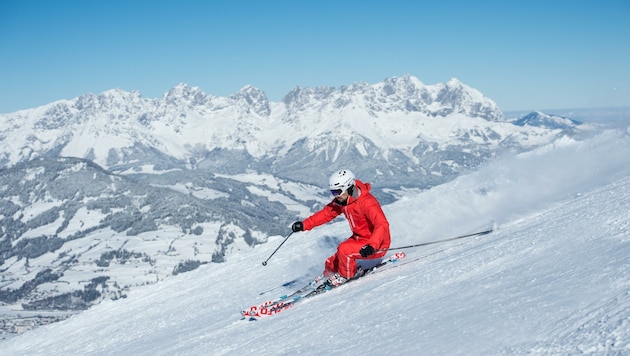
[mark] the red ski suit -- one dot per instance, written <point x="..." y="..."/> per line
<point x="367" y="222"/>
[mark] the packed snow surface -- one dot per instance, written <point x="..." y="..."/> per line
<point x="553" y="278"/>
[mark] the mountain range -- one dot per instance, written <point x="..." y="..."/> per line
<point x="103" y="193"/>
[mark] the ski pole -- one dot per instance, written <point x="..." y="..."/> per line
<point x="440" y="241"/>
<point x="285" y="240"/>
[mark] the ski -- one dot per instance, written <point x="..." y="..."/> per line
<point x="315" y="287"/>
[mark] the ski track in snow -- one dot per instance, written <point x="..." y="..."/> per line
<point x="553" y="279"/>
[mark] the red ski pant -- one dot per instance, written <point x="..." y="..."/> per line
<point x="344" y="261"/>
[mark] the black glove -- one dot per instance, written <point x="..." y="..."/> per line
<point x="297" y="226"/>
<point x="366" y="250"/>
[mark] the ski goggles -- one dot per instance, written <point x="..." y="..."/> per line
<point x="336" y="192"/>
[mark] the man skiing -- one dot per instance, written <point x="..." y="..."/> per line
<point x="370" y="229"/>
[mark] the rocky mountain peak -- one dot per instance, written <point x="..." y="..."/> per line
<point x="185" y="95"/>
<point x="254" y="98"/>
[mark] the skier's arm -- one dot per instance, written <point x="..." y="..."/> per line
<point x="328" y="213"/>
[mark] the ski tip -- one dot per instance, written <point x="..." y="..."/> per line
<point x="247" y="316"/>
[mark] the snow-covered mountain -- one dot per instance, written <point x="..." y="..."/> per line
<point x="540" y="119"/>
<point x="397" y="131"/>
<point x="554" y="279"/>
<point x="103" y="193"/>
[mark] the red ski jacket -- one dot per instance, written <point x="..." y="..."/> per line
<point x="364" y="214"/>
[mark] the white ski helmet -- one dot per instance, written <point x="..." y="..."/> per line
<point x="341" y="180"/>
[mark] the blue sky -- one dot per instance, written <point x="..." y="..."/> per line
<point x="524" y="55"/>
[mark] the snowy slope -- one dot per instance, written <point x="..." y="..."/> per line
<point x="553" y="279"/>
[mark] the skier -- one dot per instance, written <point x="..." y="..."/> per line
<point x="370" y="229"/>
